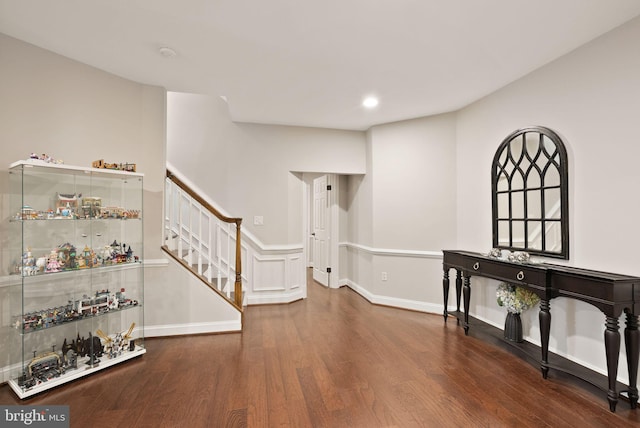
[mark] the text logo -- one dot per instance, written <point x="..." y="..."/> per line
<point x="34" y="416"/>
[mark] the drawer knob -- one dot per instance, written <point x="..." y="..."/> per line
<point x="520" y="276"/>
<point x="476" y="266"/>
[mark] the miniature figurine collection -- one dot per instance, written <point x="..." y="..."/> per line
<point x="50" y="365"/>
<point x="66" y="257"/>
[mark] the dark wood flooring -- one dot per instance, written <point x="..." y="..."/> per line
<point x="332" y="360"/>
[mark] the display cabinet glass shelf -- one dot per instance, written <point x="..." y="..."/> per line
<point x="74" y="296"/>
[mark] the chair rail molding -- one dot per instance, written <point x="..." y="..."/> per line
<point x="428" y="254"/>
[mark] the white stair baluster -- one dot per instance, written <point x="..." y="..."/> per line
<point x="179" y="222"/>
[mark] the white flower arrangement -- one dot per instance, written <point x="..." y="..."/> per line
<point x="515" y="299"/>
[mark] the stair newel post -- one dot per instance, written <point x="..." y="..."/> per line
<point x="238" y="284"/>
<point x="228" y="251"/>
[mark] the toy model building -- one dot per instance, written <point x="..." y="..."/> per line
<point x="75" y="310"/>
<point x="50" y="365"/>
<point x="68" y="202"/>
<point x="91" y="206"/>
<point x="130" y="167"/>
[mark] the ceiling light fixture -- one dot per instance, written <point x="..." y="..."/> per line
<point x="370" y="102"/>
<point x="167" y="52"/>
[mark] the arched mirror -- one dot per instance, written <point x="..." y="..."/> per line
<point x="530" y="193"/>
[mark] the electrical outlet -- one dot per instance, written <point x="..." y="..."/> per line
<point x="258" y="220"/>
<point x="384" y="276"/>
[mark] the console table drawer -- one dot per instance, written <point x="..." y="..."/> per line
<point x="454" y="260"/>
<point x="508" y="272"/>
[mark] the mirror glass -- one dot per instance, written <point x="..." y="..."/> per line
<point x="530" y="190"/>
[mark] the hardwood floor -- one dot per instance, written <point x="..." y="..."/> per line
<point x="332" y="360"/>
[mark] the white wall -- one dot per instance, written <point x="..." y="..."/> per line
<point x="248" y="166"/>
<point x="193" y="309"/>
<point x="403" y="212"/>
<point x="591" y="97"/>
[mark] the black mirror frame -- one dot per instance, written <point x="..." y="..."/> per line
<point x="564" y="193"/>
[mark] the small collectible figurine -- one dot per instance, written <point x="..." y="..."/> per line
<point x="45" y="158"/>
<point x="53" y="265"/>
<point x="41" y="264"/>
<point x="28" y="266"/>
<point x="89" y="257"/>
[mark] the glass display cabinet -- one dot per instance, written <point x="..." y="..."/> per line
<point x="73" y="304"/>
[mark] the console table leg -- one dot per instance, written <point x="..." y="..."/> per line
<point x="466" y="291"/>
<point x="544" y="317"/>
<point x="445" y="292"/>
<point x="612" y="346"/>
<point x="458" y="289"/>
<point x="632" y="343"/>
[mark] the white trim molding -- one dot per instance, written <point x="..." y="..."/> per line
<point x="192" y="328"/>
<point x="433" y="257"/>
<point x="393" y="252"/>
<point x="277" y="298"/>
<point x="154" y="263"/>
<point x="394" y="302"/>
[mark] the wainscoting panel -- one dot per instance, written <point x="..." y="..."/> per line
<point x="269" y="273"/>
<point x="275" y="275"/>
<point x="296" y="271"/>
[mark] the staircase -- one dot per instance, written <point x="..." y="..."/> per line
<point x="203" y="240"/>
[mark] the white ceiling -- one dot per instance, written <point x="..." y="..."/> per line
<point x="311" y="62"/>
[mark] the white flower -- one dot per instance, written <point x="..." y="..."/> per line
<point x="515" y="299"/>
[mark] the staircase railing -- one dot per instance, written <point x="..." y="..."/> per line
<point x="202" y="238"/>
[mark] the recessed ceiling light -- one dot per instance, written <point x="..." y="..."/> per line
<point x="167" y="52"/>
<point x="370" y="102"/>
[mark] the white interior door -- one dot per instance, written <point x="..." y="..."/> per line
<point x="321" y="230"/>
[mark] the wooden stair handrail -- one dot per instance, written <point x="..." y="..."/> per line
<point x="200" y="200"/>
<point x="222" y="217"/>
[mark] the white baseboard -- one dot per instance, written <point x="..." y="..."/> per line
<point x="192" y="328"/>
<point x="276" y="298"/>
<point x="394" y="302"/>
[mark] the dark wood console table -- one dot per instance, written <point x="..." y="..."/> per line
<point x="613" y="294"/>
